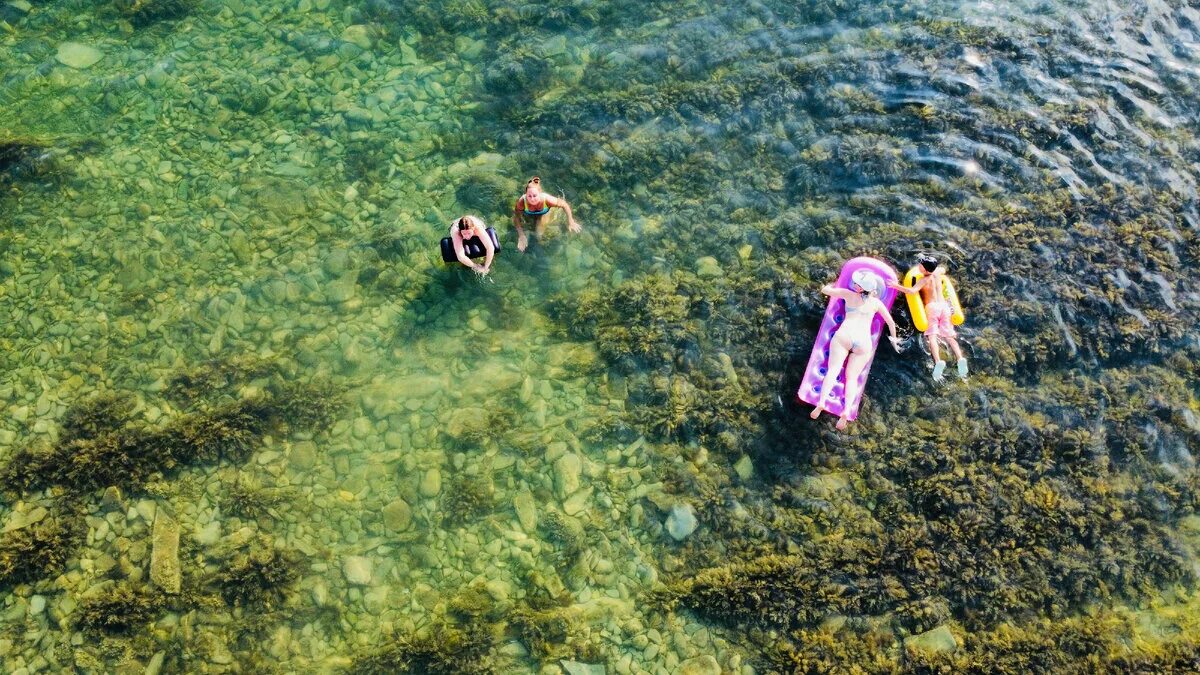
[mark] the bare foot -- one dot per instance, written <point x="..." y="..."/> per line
<point x="841" y="423"/>
<point x="815" y="413"/>
<point x="522" y="242"/>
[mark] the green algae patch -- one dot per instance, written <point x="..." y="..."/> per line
<point x="39" y="550"/>
<point x="247" y="498"/>
<point x="146" y="12"/>
<point x="257" y="573"/>
<point x="102" y="446"/>
<point x="445" y="650"/>
<point x="119" y="609"/>
<point x="26" y="159"/>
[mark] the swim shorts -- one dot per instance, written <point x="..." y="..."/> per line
<point x="938" y="313"/>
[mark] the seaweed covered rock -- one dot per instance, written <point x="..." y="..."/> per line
<point x="466" y="499"/>
<point x="444" y="651"/>
<point x="39" y="550"/>
<point x="544" y="633"/>
<point x="258" y="573"/>
<point x="976" y="516"/>
<point x="127" y="456"/>
<point x="24" y="159"/>
<point x="118" y="608"/>
<point x="202" y="383"/>
<point x="663" y="323"/>
<point x="96" y="416"/>
<point x="146" y="12"/>
<point x="476" y="602"/>
<point x="1076" y="646"/>
<point x="246" y="498"/>
<point x="485" y="192"/>
<point x="565" y="532"/>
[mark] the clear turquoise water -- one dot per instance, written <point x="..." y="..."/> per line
<point x="269" y="180"/>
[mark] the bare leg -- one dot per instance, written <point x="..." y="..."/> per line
<point x="962" y="360"/>
<point x="954" y="347"/>
<point x="854" y="368"/>
<point x="837" y="357"/>
<point x="540" y="225"/>
<point x="939" y="366"/>
<point x="935" y="350"/>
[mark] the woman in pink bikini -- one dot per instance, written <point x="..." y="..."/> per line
<point x="535" y="205"/>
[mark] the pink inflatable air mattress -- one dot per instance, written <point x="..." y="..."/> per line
<point x="818" y="363"/>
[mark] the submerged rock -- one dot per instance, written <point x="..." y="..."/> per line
<point x="577" y="668"/>
<point x="744" y="468"/>
<point x="397" y="516"/>
<point x="708" y="267"/>
<point x="357" y="35"/>
<point x="357" y="570"/>
<point x="209" y="534"/>
<point x="938" y="640"/>
<point x="77" y="55"/>
<point x="431" y="483"/>
<point x="701" y="665"/>
<point x="566" y="474"/>
<point x="681" y="522"/>
<point x="111" y="500"/>
<point x="526" y="510"/>
<point x="165" y="571"/>
<point x="303" y="455"/>
<point x="577" y="502"/>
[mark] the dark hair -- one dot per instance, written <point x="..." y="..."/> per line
<point x="929" y="263"/>
<point x="463" y="224"/>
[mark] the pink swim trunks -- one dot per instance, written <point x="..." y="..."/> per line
<point x="938" y="313"/>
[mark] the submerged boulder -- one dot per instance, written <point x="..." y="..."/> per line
<point x="165" y="570"/>
<point x="78" y="56"/>
<point x="681" y="522"/>
<point x="938" y="640"/>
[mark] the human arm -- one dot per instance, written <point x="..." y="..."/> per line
<point x="838" y="292"/>
<point x="916" y="288"/>
<point x="489" y="249"/>
<point x="562" y="204"/>
<point x="522" y="240"/>
<point x="891" y="323"/>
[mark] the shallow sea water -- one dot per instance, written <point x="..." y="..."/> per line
<point x="269" y="181"/>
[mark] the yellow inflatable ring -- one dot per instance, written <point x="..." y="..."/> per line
<point x="916" y="305"/>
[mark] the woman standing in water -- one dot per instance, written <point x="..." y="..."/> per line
<point x="851" y="345"/>
<point x="534" y="205"/>
<point x="466" y="229"/>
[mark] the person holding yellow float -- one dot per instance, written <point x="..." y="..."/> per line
<point x="936" y="313"/>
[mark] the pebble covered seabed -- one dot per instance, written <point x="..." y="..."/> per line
<point x="215" y="211"/>
<point x="230" y="198"/>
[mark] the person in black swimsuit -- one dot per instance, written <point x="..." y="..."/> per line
<point x="469" y="227"/>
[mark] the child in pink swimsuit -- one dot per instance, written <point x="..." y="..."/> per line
<point x="938" y="312"/>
